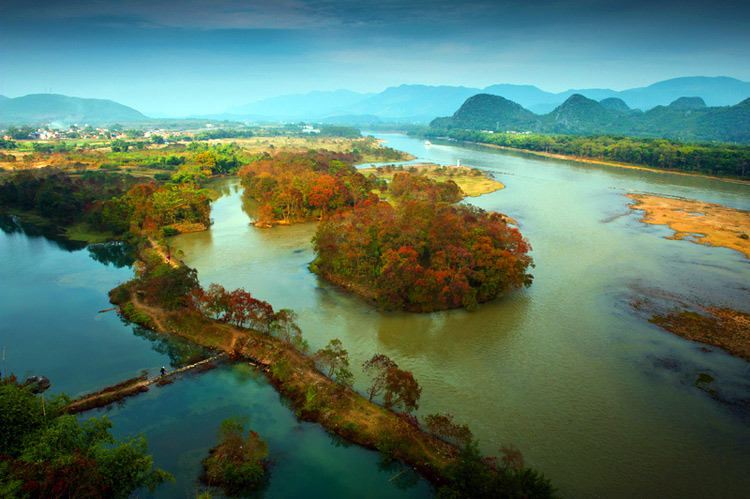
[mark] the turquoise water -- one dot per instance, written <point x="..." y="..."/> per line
<point x="597" y="398"/>
<point x="50" y="295"/>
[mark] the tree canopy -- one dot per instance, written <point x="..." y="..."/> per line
<point x="46" y="454"/>
<point x="421" y="256"/>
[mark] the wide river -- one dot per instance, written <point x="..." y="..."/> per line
<point x="596" y="397"/>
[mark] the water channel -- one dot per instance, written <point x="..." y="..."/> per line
<point x="596" y="397"/>
<point x="50" y="295"/>
<point x="599" y="399"/>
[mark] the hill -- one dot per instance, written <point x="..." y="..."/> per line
<point x="490" y="112"/>
<point x="686" y="118"/>
<point x="47" y="108"/>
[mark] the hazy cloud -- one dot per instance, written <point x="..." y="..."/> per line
<point x="154" y="54"/>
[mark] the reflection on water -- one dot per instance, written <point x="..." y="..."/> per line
<point x="117" y="253"/>
<point x="564" y="370"/>
<point x="11" y="224"/>
<point x="50" y="296"/>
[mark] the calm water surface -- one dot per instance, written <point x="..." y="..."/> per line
<point x="50" y="294"/>
<point x="600" y="400"/>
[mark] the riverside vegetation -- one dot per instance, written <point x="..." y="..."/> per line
<point x="724" y="160"/>
<point x="166" y="296"/>
<point x="47" y="453"/>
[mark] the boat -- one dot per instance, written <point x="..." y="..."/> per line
<point x="427" y="143"/>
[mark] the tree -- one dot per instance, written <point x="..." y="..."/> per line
<point x="336" y="360"/>
<point x="378" y="365"/>
<point x="284" y="326"/>
<point x="237" y="463"/>
<point x="399" y="388"/>
<point x="53" y="455"/>
<point x="119" y="145"/>
<point x="443" y="426"/>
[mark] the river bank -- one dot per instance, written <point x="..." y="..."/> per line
<point x="592" y="161"/>
<point x="337" y="408"/>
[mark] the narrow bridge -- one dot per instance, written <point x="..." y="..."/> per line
<point x="128" y="388"/>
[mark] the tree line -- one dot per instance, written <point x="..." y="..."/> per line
<point x="706" y="158"/>
<point x="46" y="453"/>
<point x="107" y="202"/>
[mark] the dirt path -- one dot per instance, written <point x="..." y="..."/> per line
<point x="315" y="396"/>
<point x="166" y="257"/>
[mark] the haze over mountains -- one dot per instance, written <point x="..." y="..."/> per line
<point x="423" y="103"/>
<point x="46" y="108"/>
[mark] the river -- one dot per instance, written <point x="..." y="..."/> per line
<point x="596" y="397"/>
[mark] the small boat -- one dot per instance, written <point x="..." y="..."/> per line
<point x="427" y="143"/>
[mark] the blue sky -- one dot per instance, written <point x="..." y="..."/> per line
<point x="165" y="56"/>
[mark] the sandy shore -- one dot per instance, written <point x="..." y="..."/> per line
<point x="696" y="221"/>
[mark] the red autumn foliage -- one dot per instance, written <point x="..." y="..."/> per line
<point x="422" y="256"/>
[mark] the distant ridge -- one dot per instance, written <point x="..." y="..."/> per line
<point x="615" y="104"/>
<point x="47" y="108"/>
<point x="686" y="118"/>
<point x="406" y="103"/>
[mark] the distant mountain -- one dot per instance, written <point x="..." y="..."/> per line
<point x="615" y="104"/>
<point x="715" y="91"/>
<point x="686" y="118"/>
<point x="296" y="107"/>
<point x="686" y="103"/>
<point x="352" y="119"/>
<point x="47" y="108"/>
<point x="416" y="102"/>
<point x="423" y="102"/>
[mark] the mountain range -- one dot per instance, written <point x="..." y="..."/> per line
<point x="686" y="118"/>
<point x="414" y="103"/>
<point x="401" y="104"/>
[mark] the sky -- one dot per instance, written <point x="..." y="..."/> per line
<point x="198" y="57"/>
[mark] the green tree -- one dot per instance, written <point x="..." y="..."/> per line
<point x="55" y="455"/>
<point x="237" y="463"/>
<point x="119" y="145"/>
<point x="335" y="359"/>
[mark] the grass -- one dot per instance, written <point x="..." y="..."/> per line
<point x="82" y="232"/>
<point x="472" y="182"/>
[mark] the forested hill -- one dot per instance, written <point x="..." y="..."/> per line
<point x="687" y="119"/>
<point x="47" y="108"/>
